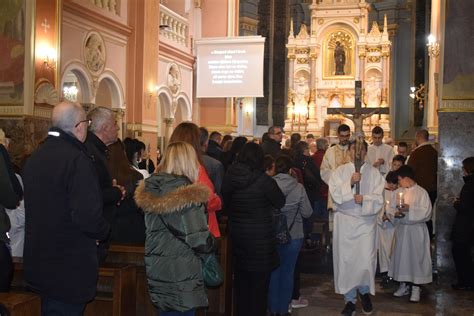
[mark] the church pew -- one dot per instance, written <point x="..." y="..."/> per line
<point x="220" y="298"/>
<point x="115" y="289"/>
<point x="21" y="304"/>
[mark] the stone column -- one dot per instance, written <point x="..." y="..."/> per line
<point x="168" y="128"/>
<point x="385" y="76"/>
<point x="362" y="55"/>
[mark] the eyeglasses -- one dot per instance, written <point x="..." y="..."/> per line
<point x="89" y="122"/>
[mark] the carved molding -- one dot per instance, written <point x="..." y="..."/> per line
<point x="44" y="112"/>
<point x="457" y="106"/>
<point x="303" y="51"/>
<point x="94" y="53"/>
<point x="11" y="110"/>
<point x="302" y="60"/>
<point x="373" y="59"/>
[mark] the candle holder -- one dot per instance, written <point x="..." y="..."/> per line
<point x="400" y="205"/>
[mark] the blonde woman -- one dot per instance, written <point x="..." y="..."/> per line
<point x="177" y="235"/>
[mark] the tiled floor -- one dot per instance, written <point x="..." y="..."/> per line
<point x="317" y="286"/>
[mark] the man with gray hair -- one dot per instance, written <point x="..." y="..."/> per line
<point x="214" y="167"/>
<point x="103" y="131"/>
<point x="63" y="210"/>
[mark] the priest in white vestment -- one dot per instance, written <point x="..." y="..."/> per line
<point x="411" y="258"/>
<point x="355" y="220"/>
<point x="380" y="155"/>
<point x="334" y="157"/>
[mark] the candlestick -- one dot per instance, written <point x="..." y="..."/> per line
<point x="400" y="200"/>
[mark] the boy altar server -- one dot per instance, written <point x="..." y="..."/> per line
<point x="355" y="220"/>
<point x="411" y="258"/>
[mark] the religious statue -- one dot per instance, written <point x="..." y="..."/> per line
<point x="339" y="59"/>
<point x="372" y="93"/>
<point x="358" y="120"/>
<point x="301" y="91"/>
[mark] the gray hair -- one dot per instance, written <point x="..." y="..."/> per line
<point x="321" y="143"/>
<point x="66" y="115"/>
<point x="99" y="117"/>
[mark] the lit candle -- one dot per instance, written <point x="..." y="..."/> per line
<point x="400" y="199"/>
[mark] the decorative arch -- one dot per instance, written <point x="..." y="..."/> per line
<point x="165" y="101"/>
<point x="115" y="87"/>
<point x="185" y="106"/>
<point x="83" y="76"/>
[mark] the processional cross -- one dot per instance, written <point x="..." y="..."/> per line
<point x="357" y="115"/>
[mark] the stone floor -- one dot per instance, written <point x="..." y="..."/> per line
<point x="318" y="287"/>
<point x="436" y="300"/>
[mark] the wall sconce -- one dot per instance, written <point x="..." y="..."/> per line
<point x="48" y="55"/>
<point x="248" y="110"/>
<point x="418" y="95"/>
<point x="433" y="46"/>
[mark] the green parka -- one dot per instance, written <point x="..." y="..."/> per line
<point x="177" y="236"/>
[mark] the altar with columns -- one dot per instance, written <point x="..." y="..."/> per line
<point x="327" y="57"/>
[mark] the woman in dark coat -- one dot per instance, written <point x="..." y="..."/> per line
<point x="129" y="225"/>
<point x="177" y="236"/>
<point x="250" y="196"/>
<point x="462" y="235"/>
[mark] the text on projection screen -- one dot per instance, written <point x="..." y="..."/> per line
<point x="230" y="68"/>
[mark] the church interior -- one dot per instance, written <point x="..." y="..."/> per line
<point x="403" y="65"/>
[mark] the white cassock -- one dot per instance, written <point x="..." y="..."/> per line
<point x="334" y="157"/>
<point x="354" y="249"/>
<point x="385" y="232"/>
<point x="383" y="151"/>
<point x="411" y="258"/>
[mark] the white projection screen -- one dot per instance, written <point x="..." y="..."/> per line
<point x="230" y="67"/>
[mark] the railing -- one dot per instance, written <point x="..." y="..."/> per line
<point x="173" y="26"/>
<point x="109" y="5"/>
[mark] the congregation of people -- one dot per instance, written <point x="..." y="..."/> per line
<point x="83" y="188"/>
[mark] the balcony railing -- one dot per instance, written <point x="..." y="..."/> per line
<point x="173" y="26"/>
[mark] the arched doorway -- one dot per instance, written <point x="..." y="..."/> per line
<point x="75" y="85"/>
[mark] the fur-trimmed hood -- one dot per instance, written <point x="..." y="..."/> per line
<point x="165" y="193"/>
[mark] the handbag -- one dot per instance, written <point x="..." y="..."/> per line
<point x="282" y="230"/>
<point x="212" y="273"/>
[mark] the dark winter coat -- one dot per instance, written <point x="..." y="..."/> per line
<point x="176" y="238"/>
<point x="10" y="191"/>
<point x="214" y="149"/>
<point x="311" y="177"/>
<point x="463" y="228"/>
<point x="110" y="194"/>
<point x="250" y="197"/>
<point x="63" y="212"/>
<point x="271" y="147"/>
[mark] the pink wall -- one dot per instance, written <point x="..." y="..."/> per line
<point x="212" y="112"/>
<point x="214" y="18"/>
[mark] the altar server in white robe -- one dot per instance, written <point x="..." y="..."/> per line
<point x="355" y="220"/>
<point x="385" y="228"/>
<point x="411" y="258"/>
<point x="380" y="155"/>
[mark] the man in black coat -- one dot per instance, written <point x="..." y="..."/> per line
<point x="214" y="148"/>
<point x="103" y="131"/>
<point x="64" y="221"/>
<point x="272" y="145"/>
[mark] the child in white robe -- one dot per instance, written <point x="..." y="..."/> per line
<point x="385" y="228"/>
<point x="411" y="258"/>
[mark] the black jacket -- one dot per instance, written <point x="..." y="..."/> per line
<point x="250" y="197"/>
<point x="110" y="195"/>
<point x="271" y="147"/>
<point x="63" y="211"/>
<point x="463" y="228"/>
<point x="214" y="149"/>
<point x="311" y="176"/>
<point x="10" y="191"/>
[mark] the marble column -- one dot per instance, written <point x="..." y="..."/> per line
<point x="168" y="128"/>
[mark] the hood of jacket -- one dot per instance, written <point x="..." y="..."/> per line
<point x="286" y="183"/>
<point x="241" y="175"/>
<point x="166" y="193"/>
